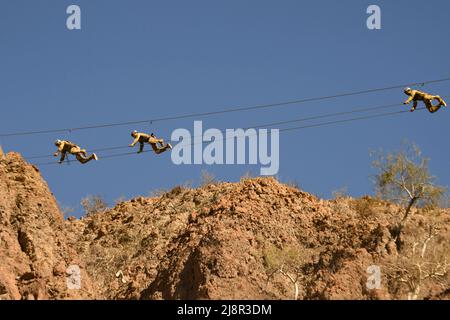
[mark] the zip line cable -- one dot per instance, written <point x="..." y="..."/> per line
<point x="257" y="126"/>
<point x="328" y="115"/>
<point x="336" y="114"/>
<point x="281" y="130"/>
<point x="231" y="110"/>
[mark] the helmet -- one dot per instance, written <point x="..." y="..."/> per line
<point x="134" y="133"/>
<point x="57" y="142"/>
<point x="407" y="89"/>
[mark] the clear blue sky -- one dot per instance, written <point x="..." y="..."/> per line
<point x="146" y="59"/>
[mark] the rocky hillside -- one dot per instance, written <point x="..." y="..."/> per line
<point x="256" y="239"/>
<point x="33" y="251"/>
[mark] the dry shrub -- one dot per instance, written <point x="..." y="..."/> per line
<point x="93" y="204"/>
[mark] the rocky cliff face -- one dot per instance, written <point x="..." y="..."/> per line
<point x="33" y="251"/>
<point x="256" y="239"/>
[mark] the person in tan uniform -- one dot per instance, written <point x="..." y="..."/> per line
<point x="416" y="95"/>
<point x="158" y="145"/>
<point x="70" y="147"/>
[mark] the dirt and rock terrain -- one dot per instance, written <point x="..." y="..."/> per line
<point x="255" y="239"/>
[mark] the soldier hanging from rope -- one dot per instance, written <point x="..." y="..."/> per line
<point x="158" y="145"/>
<point x="416" y="95"/>
<point x="70" y="147"/>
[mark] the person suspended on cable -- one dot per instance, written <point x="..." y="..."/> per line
<point x="416" y="96"/>
<point x="158" y="145"/>
<point x="70" y="147"/>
